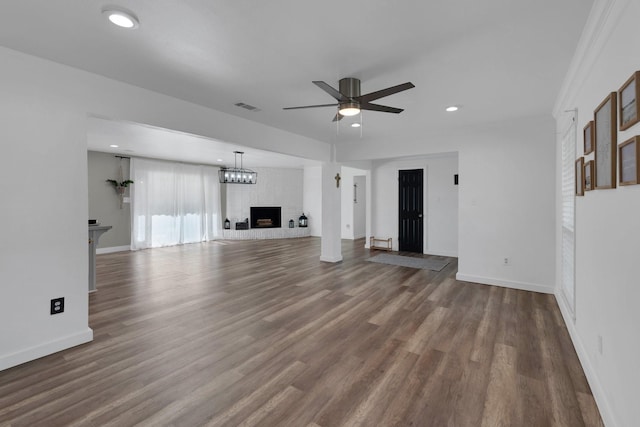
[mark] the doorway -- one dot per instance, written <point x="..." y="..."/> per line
<point x="410" y="208"/>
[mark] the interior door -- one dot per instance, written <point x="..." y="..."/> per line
<point x="410" y="201"/>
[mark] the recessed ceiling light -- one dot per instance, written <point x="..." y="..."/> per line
<point x="452" y="108"/>
<point x="114" y="146"/>
<point x="355" y="125"/>
<point x="121" y="18"/>
<point x="219" y="160"/>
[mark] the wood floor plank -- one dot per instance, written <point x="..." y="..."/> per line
<point x="262" y="333"/>
<point x="373" y="407"/>
<point x="499" y="407"/>
<point x="410" y="398"/>
<point x="261" y="396"/>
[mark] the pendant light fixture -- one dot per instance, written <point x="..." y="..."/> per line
<point x="237" y="175"/>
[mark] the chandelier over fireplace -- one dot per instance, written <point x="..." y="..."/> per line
<point x="237" y="175"/>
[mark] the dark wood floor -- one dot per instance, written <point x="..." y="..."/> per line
<point x="262" y="333"/>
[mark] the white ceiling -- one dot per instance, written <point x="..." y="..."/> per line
<point x="134" y="139"/>
<point x="498" y="59"/>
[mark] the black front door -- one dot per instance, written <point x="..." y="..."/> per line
<point x="410" y="210"/>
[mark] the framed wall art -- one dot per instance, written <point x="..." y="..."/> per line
<point x="580" y="177"/>
<point x="588" y="176"/>
<point x="587" y="137"/>
<point x="629" y="162"/>
<point x="605" y="143"/>
<point x="628" y="106"/>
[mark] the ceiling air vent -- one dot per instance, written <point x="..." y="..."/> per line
<point x="247" y="106"/>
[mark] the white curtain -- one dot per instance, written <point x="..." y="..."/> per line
<point x="173" y="203"/>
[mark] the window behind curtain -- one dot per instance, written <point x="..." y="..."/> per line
<point x="173" y="203"/>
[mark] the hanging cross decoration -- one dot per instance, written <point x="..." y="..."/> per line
<point x="337" y="178"/>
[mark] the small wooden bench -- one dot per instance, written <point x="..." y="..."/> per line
<point x="380" y="244"/>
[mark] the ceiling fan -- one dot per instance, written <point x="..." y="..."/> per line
<point x="350" y="102"/>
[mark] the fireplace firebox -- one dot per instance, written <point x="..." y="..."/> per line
<point x="266" y="217"/>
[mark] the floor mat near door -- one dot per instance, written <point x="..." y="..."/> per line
<point x="412" y="262"/>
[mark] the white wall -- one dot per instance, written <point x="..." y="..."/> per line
<point x="275" y="187"/>
<point x="360" y="207"/>
<point x="440" y="201"/>
<point x="312" y="198"/>
<point x="506" y="200"/>
<point x="43" y="249"/>
<point x="507" y="207"/>
<point x="347" y="207"/>
<point x="607" y="227"/>
<point x="43" y="112"/>
<point x="104" y="204"/>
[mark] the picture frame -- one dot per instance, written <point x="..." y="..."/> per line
<point x="587" y="138"/>
<point x="605" y="143"/>
<point x="580" y="176"/>
<point x="628" y="96"/>
<point x="629" y="162"/>
<point x="588" y="175"/>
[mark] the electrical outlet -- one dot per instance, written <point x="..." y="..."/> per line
<point x="506" y="261"/>
<point x="57" y="305"/>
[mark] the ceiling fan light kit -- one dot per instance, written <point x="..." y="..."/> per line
<point x="350" y="102"/>
<point x="349" y="109"/>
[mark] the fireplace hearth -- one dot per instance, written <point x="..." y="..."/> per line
<point x="266" y="217"/>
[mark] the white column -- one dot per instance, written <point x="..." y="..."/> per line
<point x="330" y="249"/>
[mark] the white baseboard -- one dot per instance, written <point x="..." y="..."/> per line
<point x="331" y="259"/>
<point x="442" y="253"/>
<point x="533" y="287"/>
<point x="596" y="388"/>
<point x="32" y="353"/>
<point x="112" y="249"/>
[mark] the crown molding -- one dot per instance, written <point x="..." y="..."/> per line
<point x="600" y="24"/>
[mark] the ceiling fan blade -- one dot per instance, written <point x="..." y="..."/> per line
<point x="382" y="108"/>
<point x="337" y="117"/>
<point x="330" y="90"/>
<point x="310" y="106"/>
<point x="384" y="92"/>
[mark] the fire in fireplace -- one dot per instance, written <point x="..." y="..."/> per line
<point x="266" y="217"/>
